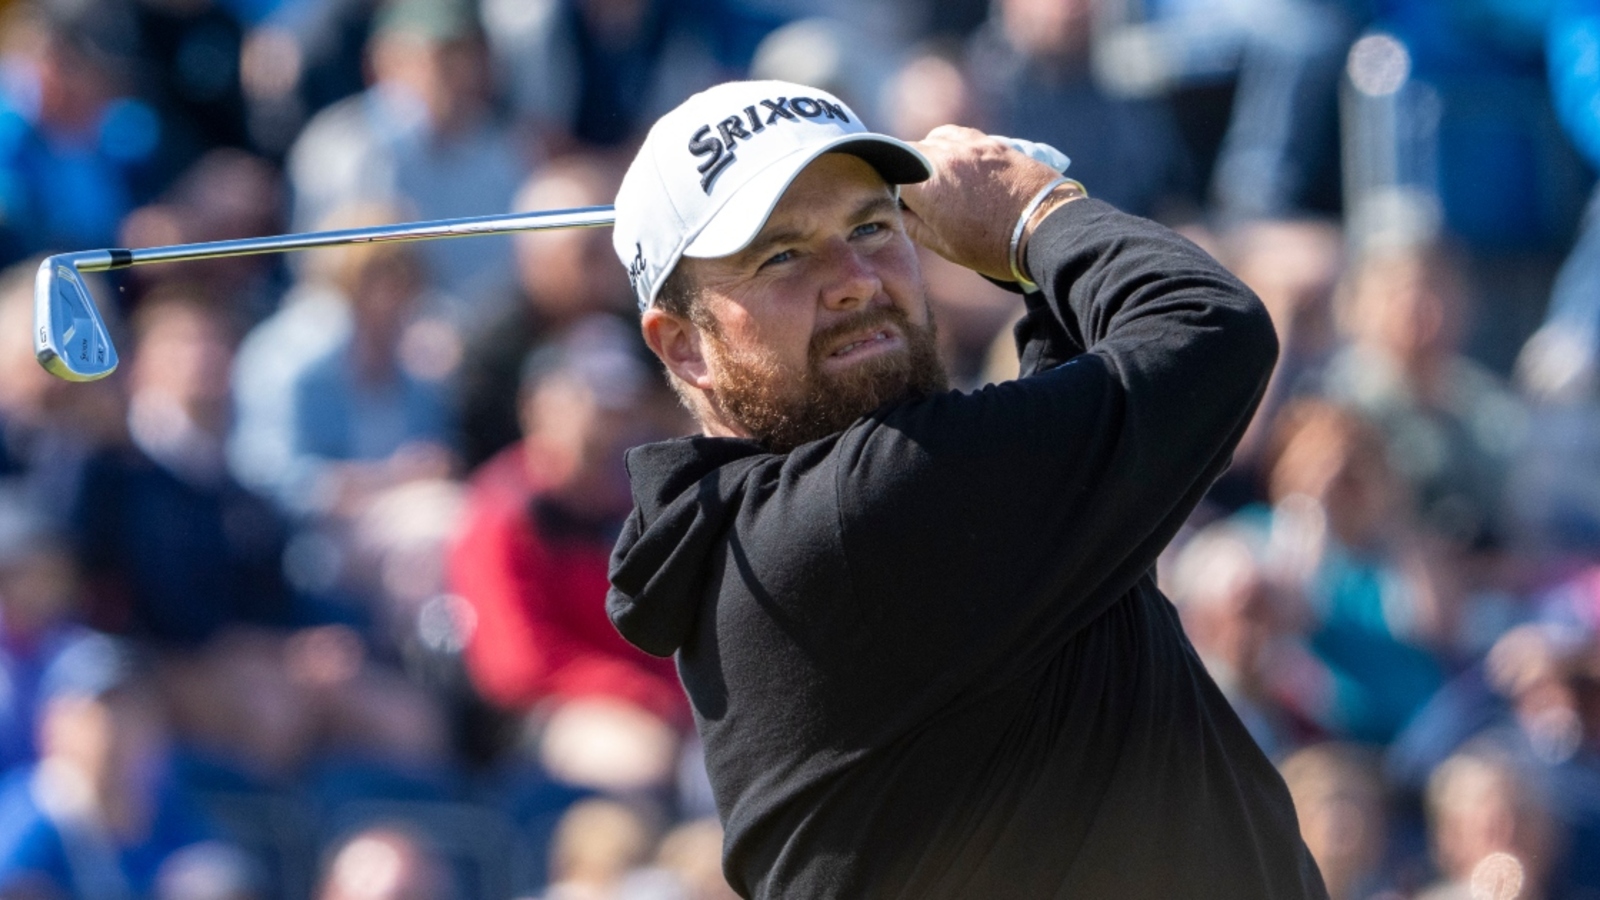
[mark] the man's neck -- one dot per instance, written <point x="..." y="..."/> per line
<point x="713" y="420"/>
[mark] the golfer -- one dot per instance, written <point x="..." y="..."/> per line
<point x="920" y="629"/>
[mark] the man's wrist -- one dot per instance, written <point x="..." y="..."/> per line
<point x="1052" y="198"/>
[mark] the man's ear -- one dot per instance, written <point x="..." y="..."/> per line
<point x="677" y="343"/>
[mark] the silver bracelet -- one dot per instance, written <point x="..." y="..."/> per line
<point x="1022" y="225"/>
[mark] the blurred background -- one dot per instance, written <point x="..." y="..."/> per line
<point x="307" y="599"/>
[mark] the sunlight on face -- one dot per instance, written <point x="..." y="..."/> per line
<point x="784" y="409"/>
<point x="823" y="317"/>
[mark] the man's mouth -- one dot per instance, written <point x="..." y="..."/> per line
<point x="880" y="337"/>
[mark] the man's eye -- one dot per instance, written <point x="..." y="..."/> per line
<point x="776" y="258"/>
<point x="868" y="228"/>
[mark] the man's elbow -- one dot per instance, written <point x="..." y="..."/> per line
<point x="1252" y="337"/>
<point x="1265" y="336"/>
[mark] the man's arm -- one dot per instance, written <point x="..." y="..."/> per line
<point x="967" y="209"/>
<point x="1016" y="514"/>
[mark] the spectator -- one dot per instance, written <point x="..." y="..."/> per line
<point x="597" y="844"/>
<point x="313" y="319"/>
<point x="1477" y="70"/>
<point x="532" y="561"/>
<point x="1255" y="83"/>
<point x="562" y="277"/>
<point x="1451" y="426"/>
<point x="298" y="58"/>
<point x="226" y="195"/>
<point x="1573" y="319"/>
<point x="373" y="410"/>
<point x="1444" y="94"/>
<point x="1340" y="514"/>
<point x="687" y="865"/>
<point x="1294" y="266"/>
<point x="829" y="54"/>
<point x="692" y="854"/>
<point x="98" y="816"/>
<point x="316" y="696"/>
<point x="590" y="73"/>
<point x="1478" y="704"/>
<point x="1279" y="156"/>
<point x="1554" y="492"/>
<point x="1541" y="673"/>
<point x="385" y="862"/>
<point x="187" y="54"/>
<point x="1549" y="676"/>
<point x="174" y="548"/>
<point x="180" y="554"/>
<point x="1031" y="62"/>
<point x="1340" y="799"/>
<point x="1490" y="827"/>
<point x="39" y="609"/>
<point x="149" y="516"/>
<point x="210" y="871"/>
<point x="76" y="153"/>
<point x="422" y="136"/>
<point x="928" y="90"/>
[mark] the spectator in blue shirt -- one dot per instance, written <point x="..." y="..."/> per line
<point x="38" y="617"/>
<point x="1573" y="319"/>
<point x="75" y="152"/>
<point x="97" y="817"/>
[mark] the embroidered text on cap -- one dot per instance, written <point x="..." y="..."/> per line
<point x="732" y="129"/>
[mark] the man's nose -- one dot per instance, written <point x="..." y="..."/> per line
<point x="852" y="278"/>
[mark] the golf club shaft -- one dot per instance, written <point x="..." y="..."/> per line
<point x="585" y="217"/>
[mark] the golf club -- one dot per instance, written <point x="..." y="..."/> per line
<point x="70" y="338"/>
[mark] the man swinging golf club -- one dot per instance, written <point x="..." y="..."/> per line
<point x="920" y="628"/>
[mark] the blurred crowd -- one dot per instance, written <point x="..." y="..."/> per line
<point x="307" y="599"/>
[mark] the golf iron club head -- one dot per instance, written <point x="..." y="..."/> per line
<point x="70" y="338"/>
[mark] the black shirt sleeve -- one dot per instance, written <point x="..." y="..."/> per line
<point x="998" y="523"/>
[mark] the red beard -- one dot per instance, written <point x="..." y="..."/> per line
<point x="784" y="409"/>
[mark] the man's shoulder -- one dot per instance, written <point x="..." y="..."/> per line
<point x="665" y="469"/>
<point x="696" y="501"/>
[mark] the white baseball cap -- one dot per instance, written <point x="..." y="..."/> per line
<point x="711" y="171"/>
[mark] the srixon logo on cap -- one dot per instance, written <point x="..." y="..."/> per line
<point x="718" y="148"/>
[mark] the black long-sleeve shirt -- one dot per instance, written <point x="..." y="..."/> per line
<point x="927" y="655"/>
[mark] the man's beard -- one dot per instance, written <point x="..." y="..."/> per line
<point x="784" y="409"/>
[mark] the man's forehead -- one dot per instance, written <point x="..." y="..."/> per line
<point x="831" y="173"/>
<point x="833" y="185"/>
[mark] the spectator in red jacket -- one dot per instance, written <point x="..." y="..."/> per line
<point x="532" y="558"/>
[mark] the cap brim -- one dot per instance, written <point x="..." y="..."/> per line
<point x="745" y="211"/>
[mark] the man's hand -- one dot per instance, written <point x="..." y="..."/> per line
<point x="967" y="210"/>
